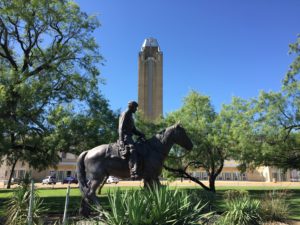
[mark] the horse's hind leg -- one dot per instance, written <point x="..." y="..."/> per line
<point x="101" y="186"/>
<point x="85" y="206"/>
<point x="94" y="184"/>
<point x="85" y="209"/>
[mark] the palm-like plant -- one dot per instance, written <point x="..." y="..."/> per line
<point x="156" y="206"/>
<point x="17" y="206"/>
<point x="242" y="211"/>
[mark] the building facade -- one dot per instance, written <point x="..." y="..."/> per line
<point x="150" y="80"/>
<point x="231" y="172"/>
<point x="66" y="167"/>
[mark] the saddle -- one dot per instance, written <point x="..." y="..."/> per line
<point x="125" y="151"/>
<point x="117" y="150"/>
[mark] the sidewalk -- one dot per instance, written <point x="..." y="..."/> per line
<point x="184" y="183"/>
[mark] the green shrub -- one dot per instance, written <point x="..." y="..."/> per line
<point x="243" y="211"/>
<point x="156" y="206"/>
<point x="17" y="206"/>
<point x="275" y="207"/>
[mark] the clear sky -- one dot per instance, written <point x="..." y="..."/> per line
<point x="218" y="48"/>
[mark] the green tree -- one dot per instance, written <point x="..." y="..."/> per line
<point x="244" y="131"/>
<point x="291" y="113"/>
<point x="210" y="135"/>
<point x="48" y="58"/>
<point x="76" y="132"/>
<point x="267" y="127"/>
<point x="273" y="139"/>
<point x="269" y="141"/>
<point x="149" y="128"/>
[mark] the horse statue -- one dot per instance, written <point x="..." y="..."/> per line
<point x="95" y="165"/>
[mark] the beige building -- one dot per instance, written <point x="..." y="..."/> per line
<point x="150" y="79"/>
<point x="230" y="172"/>
<point x="66" y="167"/>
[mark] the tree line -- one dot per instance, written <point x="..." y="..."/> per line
<point x="262" y="131"/>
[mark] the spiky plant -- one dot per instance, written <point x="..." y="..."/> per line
<point x="18" y="205"/>
<point x="156" y="206"/>
<point x="242" y="211"/>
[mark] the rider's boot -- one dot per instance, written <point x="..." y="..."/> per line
<point x="133" y="166"/>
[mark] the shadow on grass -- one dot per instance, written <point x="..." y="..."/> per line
<point x="294" y="201"/>
<point x="56" y="204"/>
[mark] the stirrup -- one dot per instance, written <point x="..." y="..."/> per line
<point x="134" y="176"/>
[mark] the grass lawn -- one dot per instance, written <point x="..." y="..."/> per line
<point x="54" y="199"/>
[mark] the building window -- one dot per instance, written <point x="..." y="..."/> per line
<point x="283" y="176"/>
<point x="220" y="176"/>
<point x="244" y="176"/>
<point x="196" y="175"/>
<point x="203" y="176"/>
<point x="227" y="176"/>
<point x="275" y="176"/>
<point x="60" y="175"/>
<point x="63" y="155"/>
<point x="21" y="174"/>
<point x="295" y="175"/>
<point x="236" y="176"/>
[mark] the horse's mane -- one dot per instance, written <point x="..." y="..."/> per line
<point x="156" y="139"/>
<point x="160" y="135"/>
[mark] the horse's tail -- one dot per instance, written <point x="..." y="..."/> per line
<point x="81" y="174"/>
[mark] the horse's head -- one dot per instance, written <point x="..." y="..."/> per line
<point x="180" y="137"/>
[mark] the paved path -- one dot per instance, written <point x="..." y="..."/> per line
<point x="185" y="183"/>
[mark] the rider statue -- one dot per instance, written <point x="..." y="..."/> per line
<point x="126" y="130"/>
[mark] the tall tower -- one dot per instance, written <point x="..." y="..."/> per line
<point x="150" y="86"/>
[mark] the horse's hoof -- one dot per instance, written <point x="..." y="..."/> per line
<point x="84" y="212"/>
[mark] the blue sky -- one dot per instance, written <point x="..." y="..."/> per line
<point x="218" y="48"/>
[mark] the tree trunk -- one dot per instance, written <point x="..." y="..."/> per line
<point x="11" y="173"/>
<point x="212" y="185"/>
<point x="182" y="173"/>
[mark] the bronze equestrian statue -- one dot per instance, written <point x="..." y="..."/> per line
<point x="94" y="166"/>
<point x="126" y="130"/>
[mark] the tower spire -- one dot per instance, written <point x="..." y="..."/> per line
<point x="150" y="74"/>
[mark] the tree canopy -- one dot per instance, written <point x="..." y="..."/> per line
<point x="276" y="122"/>
<point x="210" y="135"/>
<point x="48" y="62"/>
